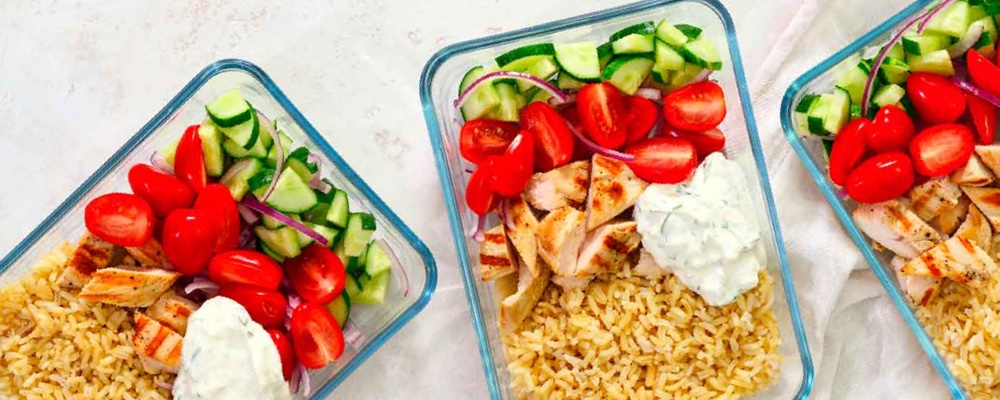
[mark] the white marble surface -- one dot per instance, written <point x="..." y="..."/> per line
<point x="78" y="78"/>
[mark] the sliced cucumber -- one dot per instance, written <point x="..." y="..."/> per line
<point x="840" y="110"/>
<point x="691" y="31"/>
<point x="326" y="232"/>
<point x="541" y="66"/>
<point x="271" y="253"/>
<point x="237" y="177"/>
<point x="360" y="228"/>
<point x="888" y="95"/>
<point x="681" y="78"/>
<point x="272" y="153"/>
<point x="666" y="60"/>
<point x="987" y="42"/>
<point x="283" y="241"/>
<point x="354" y="265"/>
<point x="894" y="70"/>
<point x="339" y="209"/>
<point x="531" y="50"/>
<point x="566" y="82"/>
<point x="938" y="62"/>
<point x="604" y="54"/>
<point x="292" y="195"/>
<point x="634" y="44"/>
<point x="211" y="146"/>
<point x="352" y="287"/>
<point x="802" y="110"/>
<point x="511" y="102"/>
<point x="246" y="134"/>
<point x="373" y="289"/>
<point x="541" y="95"/>
<point x="229" y="110"/>
<point x="271" y="223"/>
<point x="853" y="80"/>
<point x="170" y="151"/>
<point x="260" y="181"/>
<point x="628" y="72"/>
<point x="702" y="52"/>
<point x="340" y="308"/>
<point x="376" y="260"/>
<point x="670" y="34"/>
<point x="952" y="21"/>
<point x="896" y="52"/>
<point x="338" y="249"/>
<point x="643" y="28"/>
<point x="924" y="44"/>
<point x="579" y="61"/>
<point x="482" y="100"/>
<point x="318" y="214"/>
<point x="298" y="161"/>
<point x="817" y="114"/>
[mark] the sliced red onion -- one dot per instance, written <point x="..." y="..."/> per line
<point x="160" y="162"/>
<point x="202" y="284"/>
<point x="294" y="301"/>
<point x="650" y="94"/>
<point x="248" y="240"/>
<point x="971" y="38"/>
<point x="262" y="208"/>
<point x="880" y="59"/>
<point x="304" y="385"/>
<point x="295" y="381"/>
<point x="926" y="21"/>
<point x="503" y="211"/>
<point x="248" y="215"/>
<point x="570" y="99"/>
<point x="316" y="182"/>
<point x="352" y="334"/>
<point x="478" y="232"/>
<point x="266" y="123"/>
<point x="521" y="76"/>
<point x="976" y="90"/>
<point x="596" y="148"/>
<point x="703" y="75"/>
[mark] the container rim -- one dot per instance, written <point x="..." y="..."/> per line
<point x="454" y="216"/>
<point x="161" y="117"/>
<point x="818" y="176"/>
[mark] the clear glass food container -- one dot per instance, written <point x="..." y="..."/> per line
<point x="821" y="79"/>
<point x="376" y="323"/>
<point x="439" y="88"/>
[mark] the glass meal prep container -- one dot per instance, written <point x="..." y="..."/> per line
<point x="439" y="88"/>
<point x="821" y="79"/>
<point x="375" y="323"/>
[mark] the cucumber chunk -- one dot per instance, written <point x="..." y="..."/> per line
<point x="340" y="307"/>
<point x="541" y="66"/>
<point x="539" y="49"/>
<point x="840" y="110"/>
<point x="211" y="146"/>
<point x="566" y="82"/>
<point x="889" y="95"/>
<point x="643" y="28"/>
<point x="924" y="44"/>
<point x="292" y="195"/>
<point x="376" y="260"/>
<point x="604" y="54"/>
<point x="271" y="223"/>
<point x="511" y="102"/>
<point x="894" y="70"/>
<point x="260" y="181"/>
<point x="952" y="21"/>
<point x="854" y="79"/>
<point x="817" y="114"/>
<point x="229" y="110"/>
<point x="373" y="289"/>
<point x="801" y="112"/>
<point x="298" y="161"/>
<point x="339" y="209"/>
<point x="579" y="61"/>
<point x="634" y="44"/>
<point x="686" y="76"/>
<point x="628" y="72"/>
<point x="237" y="177"/>
<point x="272" y="154"/>
<point x="938" y="62"/>
<point x="360" y="228"/>
<point x="702" y="52"/>
<point x="271" y="253"/>
<point x="482" y="100"/>
<point x="246" y="135"/>
<point x="691" y="31"/>
<point x="283" y="241"/>
<point x="670" y="34"/>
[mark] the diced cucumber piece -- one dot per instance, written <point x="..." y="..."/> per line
<point x="681" y="78"/>
<point x="952" y="21"/>
<point x="628" y="72"/>
<point x="260" y="181"/>
<point x="604" y="54"/>
<point x="340" y="308"/>
<point x="801" y="111"/>
<point x="339" y="250"/>
<point x="237" y="177"/>
<point x="482" y="100"/>
<point x="670" y="34"/>
<point x="211" y="147"/>
<point x="318" y="214"/>
<point x="531" y="50"/>
<point x="888" y="95"/>
<point x="938" y="62"/>
<point x="352" y="287"/>
<point x="292" y="195"/>
<point x="283" y="241"/>
<point x="976" y="10"/>
<point x="691" y="31"/>
<point x="853" y="80"/>
<point x="643" y="28"/>
<point x="286" y="143"/>
<point x="541" y="95"/>
<point x="840" y="110"/>
<point x="354" y="265"/>
<point x="894" y="70"/>
<point x="579" y="61"/>
<point x="827" y="148"/>
<point x="373" y="289"/>
<point x="511" y="102"/>
<point x="987" y="42"/>
<point x="992" y="7"/>
<point x="541" y="66"/>
<point x="896" y="52"/>
<point x="298" y="161"/>
<point x="634" y="44"/>
<point x="924" y="44"/>
<point x="817" y="114"/>
<point x="326" y="232"/>
<point x="271" y="223"/>
<point x="246" y="133"/>
<point x="271" y="253"/>
<point x="229" y="110"/>
<point x="339" y="209"/>
<point x="666" y="60"/>
<point x="702" y="52"/>
<point x="566" y="82"/>
<point x="170" y="151"/>
<point x="376" y="260"/>
<point x="360" y="228"/>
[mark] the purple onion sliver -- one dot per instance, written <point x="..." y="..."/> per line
<point x="521" y="76"/>
<point x="352" y="334"/>
<point x="478" y="233"/>
<point x="293" y="382"/>
<point x="304" y="384"/>
<point x="970" y="39"/>
<point x="262" y="208"/>
<point x="703" y="75"/>
<point x="570" y="99"/>
<point x="201" y="284"/>
<point x="159" y="161"/>
<point x="926" y="21"/>
<point x="248" y="215"/>
<point x="601" y="150"/>
<point x="976" y="90"/>
<point x="269" y="128"/>
<point x="652" y="94"/>
<point x="880" y="59"/>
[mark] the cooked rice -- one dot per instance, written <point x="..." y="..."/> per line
<point x="55" y="346"/>
<point x="629" y="337"/>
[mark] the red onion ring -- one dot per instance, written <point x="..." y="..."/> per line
<point x="570" y="98"/>
<point x="521" y="76"/>
<point x="202" y="284"/>
<point x="970" y="39"/>
<point x="923" y="25"/>
<point x="159" y="161"/>
<point x="596" y="148"/>
<point x="976" y="90"/>
<point x="880" y="59"/>
<point x="262" y="208"/>
<point x="477" y="232"/>
<point x="281" y="152"/>
<point x="352" y="334"/>
<point x="294" y="301"/>
<point x="650" y="94"/>
<point x="703" y="75"/>
<point x="248" y="215"/>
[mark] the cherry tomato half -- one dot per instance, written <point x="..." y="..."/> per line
<point x="218" y="199"/>
<point x="572" y="116"/>
<point x="553" y="141"/>
<point x="890" y="130"/>
<point x="247" y="267"/>
<point x="640" y="117"/>
<point x="936" y="99"/>
<point x="881" y="178"/>
<point x="663" y="159"/>
<point x="514" y="168"/>
<point x="479" y="194"/>
<point x="484" y="137"/>
<point x="189" y="239"/>
<point x="602" y="114"/>
<point x="706" y="142"/>
<point x="266" y="307"/>
<point x="317" y="337"/>
<point x="941" y="149"/>
<point x="285" y="351"/>
<point x="189" y="162"/>
<point x="121" y="219"/>
<point x="163" y="191"/>
<point x="317" y="274"/>
<point x="985" y="74"/>
<point x="984" y="118"/>
<point x="849" y="148"/>
<point x="697" y="107"/>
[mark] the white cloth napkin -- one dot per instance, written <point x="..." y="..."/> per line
<point x="861" y="347"/>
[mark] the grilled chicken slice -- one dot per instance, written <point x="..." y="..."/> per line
<point x="973" y="173"/>
<point x="159" y="347"/>
<point x="560" y="235"/>
<point x="949" y="221"/>
<point x="91" y="254"/>
<point x="149" y="255"/>
<point x="172" y="310"/>
<point x="988" y="202"/>
<point x="127" y="287"/>
<point x="919" y="289"/>
<point x="613" y="189"/>
<point x="990" y="156"/>
<point x="976" y="229"/>
<point x="523" y="234"/>
<point x="565" y="186"/>
<point x="647" y="266"/>
<point x="516" y="307"/>
<point x="934" y="197"/>
<point x="496" y="255"/>
<point x="957" y="259"/>
<point x="606" y="248"/>
<point x="896" y="228"/>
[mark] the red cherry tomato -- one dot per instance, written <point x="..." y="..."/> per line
<point x="247" y="267"/>
<point x="484" y="137"/>
<point x="121" y="219"/>
<point x="266" y="307"/>
<point x="640" y="117"/>
<point x="706" y="142"/>
<point x="602" y="114"/>
<point x="553" y="140"/>
<point x="696" y="107"/>
<point x="849" y="148"/>
<point x="189" y="161"/>
<point x="985" y="74"/>
<point x="572" y="116"/>
<point x="984" y="117"/>
<point x="317" y="274"/>
<point x="285" y="351"/>
<point x="163" y="191"/>
<point x="479" y="194"/>
<point x="881" y="178"/>
<point x="663" y="159"/>
<point x="941" y="149"/>
<point x="317" y="337"/>
<point x="514" y="168"/>
<point x="189" y="239"/>
<point x="218" y="199"/>
<point x="890" y="130"/>
<point x="936" y="99"/>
